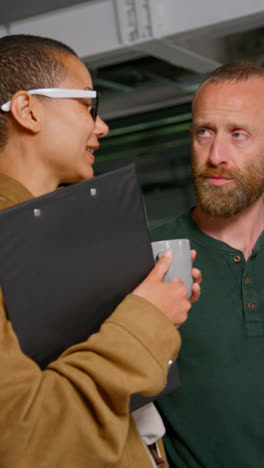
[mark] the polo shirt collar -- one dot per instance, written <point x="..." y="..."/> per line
<point x="210" y="242"/>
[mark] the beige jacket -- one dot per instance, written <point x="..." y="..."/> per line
<point x="75" y="414"/>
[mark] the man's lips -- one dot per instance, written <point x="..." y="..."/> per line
<point x="218" y="180"/>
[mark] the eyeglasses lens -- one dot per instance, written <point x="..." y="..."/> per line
<point x="94" y="108"/>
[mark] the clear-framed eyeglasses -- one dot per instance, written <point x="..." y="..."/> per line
<point x="61" y="93"/>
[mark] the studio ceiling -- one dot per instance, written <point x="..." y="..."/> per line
<point x="145" y="54"/>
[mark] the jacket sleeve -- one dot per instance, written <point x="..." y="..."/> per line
<point x="82" y="398"/>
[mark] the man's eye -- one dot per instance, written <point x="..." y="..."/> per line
<point x="239" y="136"/>
<point x="203" y="132"/>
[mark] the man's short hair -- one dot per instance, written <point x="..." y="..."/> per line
<point x="231" y="72"/>
<point x="28" y="62"/>
<point x="236" y="71"/>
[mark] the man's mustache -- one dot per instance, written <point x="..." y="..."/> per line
<point x="216" y="171"/>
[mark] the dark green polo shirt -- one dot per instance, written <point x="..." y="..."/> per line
<point x="216" y="419"/>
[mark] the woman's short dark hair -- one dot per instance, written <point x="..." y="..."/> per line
<point x="28" y="62"/>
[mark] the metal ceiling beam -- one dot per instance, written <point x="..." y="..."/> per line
<point x="143" y="101"/>
<point x="89" y="28"/>
<point x="111" y="27"/>
<point x="181" y="56"/>
<point x="177" y="17"/>
<point x="14" y="10"/>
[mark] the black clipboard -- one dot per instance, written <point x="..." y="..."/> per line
<point x="69" y="258"/>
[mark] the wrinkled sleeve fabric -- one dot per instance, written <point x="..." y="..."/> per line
<point x="80" y="403"/>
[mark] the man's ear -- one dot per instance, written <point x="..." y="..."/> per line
<point x="191" y="130"/>
<point x="25" y="110"/>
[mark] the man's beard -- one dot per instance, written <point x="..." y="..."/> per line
<point x="233" y="197"/>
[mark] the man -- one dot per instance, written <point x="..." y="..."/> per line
<point x="216" y="418"/>
<point x="76" y="412"/>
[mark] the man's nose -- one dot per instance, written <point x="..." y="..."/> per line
<point x="218" y="153"/>
<point x="101" y="128"/>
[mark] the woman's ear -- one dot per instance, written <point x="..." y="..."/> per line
<point x="26" y="111"/>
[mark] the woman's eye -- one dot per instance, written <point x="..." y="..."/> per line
<point x="87" y="104"/>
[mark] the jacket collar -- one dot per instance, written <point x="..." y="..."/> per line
<point x="13" y="191"/>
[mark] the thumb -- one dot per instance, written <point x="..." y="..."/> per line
<point x="162" y="265"/>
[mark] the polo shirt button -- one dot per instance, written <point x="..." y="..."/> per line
<point x="236" y="258"/>
<point x="246" y="281"/>
<point x="251" y="306"/>
<point x="170" y="362"/>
